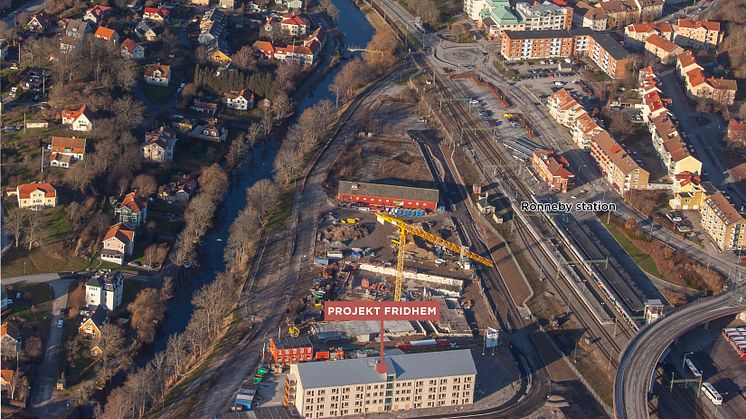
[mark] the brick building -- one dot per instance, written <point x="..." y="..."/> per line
<point x="553" y="169"/>
<point x="290" y="350"/>
<point x="387" y="195"/>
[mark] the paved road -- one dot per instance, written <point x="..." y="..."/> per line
<point x="641" y="355"/>
<point x="42" y="386"/>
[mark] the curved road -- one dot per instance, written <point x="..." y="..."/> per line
<point x="640" y="357"/>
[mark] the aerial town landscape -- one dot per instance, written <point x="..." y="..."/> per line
<point x="373" y="208"/>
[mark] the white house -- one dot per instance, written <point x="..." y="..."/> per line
<point x="118" y="243"/>
<point x="157" y="74"/>
<point x="105" y="289"/>
<point x="132" y="50"/>
<point x="77" y="120"/>
<point x="241" y="100"/>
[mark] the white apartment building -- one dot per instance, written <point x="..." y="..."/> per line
<point x="353" y="387"/>
<point x="545" y="16"/>
<point x="105" y="289"/>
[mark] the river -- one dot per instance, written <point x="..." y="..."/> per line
<point x="358" y="31"/>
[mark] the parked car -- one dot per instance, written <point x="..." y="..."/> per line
<point x="60" y="322"/>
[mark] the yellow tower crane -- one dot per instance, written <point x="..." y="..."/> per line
<point x="405" y="228"/>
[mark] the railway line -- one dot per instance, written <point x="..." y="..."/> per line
<point x="459" y="117"/>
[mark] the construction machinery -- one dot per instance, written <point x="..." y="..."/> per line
<point x="405" y="229"/>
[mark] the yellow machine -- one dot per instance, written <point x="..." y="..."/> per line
<point x="405" y="228"/>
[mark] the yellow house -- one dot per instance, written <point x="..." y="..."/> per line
<point x="723" y="222"/>
<point x="218" y="56"/>
<point x="36" y="195"/>
<point x="705" y="34"/>
<point x="688" y="192"/>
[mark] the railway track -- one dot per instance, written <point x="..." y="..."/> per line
<point x="457" y="116"/>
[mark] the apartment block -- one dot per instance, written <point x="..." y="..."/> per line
<point x="662" y="49"/>
<point x="722" y="222"/>
<point x="700" y="86"/>
<point x="353" y="387"/>
<point x="636" y="34"/>
<point x="688" y="192"/>
<point x="701" y="34"/>
<point x="570" y="114"/>
<point x="619" y="169"/>
<point x="544" y="16"/>
<point x="603" y="50"/>
<point x="587" y="15"/>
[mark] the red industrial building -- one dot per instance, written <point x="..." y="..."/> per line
<point x="291" y="350"/>
<point x="386" y="195"/>
<point x="553" y="169"/>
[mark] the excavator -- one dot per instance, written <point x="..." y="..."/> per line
<point x="405" y="229"/>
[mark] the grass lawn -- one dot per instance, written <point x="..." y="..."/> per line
<point x="281" y="214"/>
<point x="158" y="94"/>
<point x="191" y="154"/>
<point x="35" y="311"/>
<point x="48" y="258"/>
<point x="643" y="260"/>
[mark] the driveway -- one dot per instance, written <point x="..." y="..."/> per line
<point x="42" y="386"/>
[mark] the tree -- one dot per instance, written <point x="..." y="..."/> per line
<point x="286" y="75"/>
<point x="8" y="349"/>
<point x="110" y="343"/>
<point x="14" y="383"/>
<point x="287" y="164"/>
<point x="176" y="354"/>
<point x="128" y="112"/>
<point x="16" y="223"/>
<point x="262" y="196"/>
<point x="145" y="185"/>
<point x="213" y="181"/>
<point x="244" y="59"/>
<point x="242" y="239"/>
<point x="147" y="310"/>
<point x="34" y="228"/>
<point x="33" y="348"/>
<point x="151" y="254"/>
<point x="236" y="153"/>
<point x="330" y="9"/>
<point x="281" y="107"/>
<point x="119" y="405"/>
<point x="74" y="214"/>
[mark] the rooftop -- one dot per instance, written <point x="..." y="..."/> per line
<point x="388" y="190"/>
<point x="724" y="209"/>
<point x="404" y="367"/>
<point x="614" y="48"/>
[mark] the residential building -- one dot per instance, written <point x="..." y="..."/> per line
<point x="158" y="15"/>
<point x="211" y="130"/>
<point x="132" y="50"/>
<point x="104" y="289"/>
<point x="699" y="86"/>
<point x="688" y="192"/>
<point x="294" y="25"/>
<point x="145" y="32"/>
<point x="289" y="350"/>
<point x="40" y="22"/>
<point x="603" y="50"/>
<point x="672" y="149"/>
<point x="292" y="4"/>
<point x="608" y="55"/>
<point x="553" y="169"/>
<point x="157" y="74"/>
<point x="228" y="4"/>
<point x="178" y="190"/>
<point x="218" y="54"/>
<point x="241" y="100"/>
<point x="36" y="195"/>
<point x="650" y="10"/>
<point x="90" y="327"/>
<point x="736" y="134"/>
<point x="97" y="15"/>
<point x="619" y="13"/>
<point x="636" y="34"/>
<point x="661" y="48"/>
<point x="10" y="335"/>
<point x="118" y="243"/>
<point x="387" y="195"/>
<point x="701" y="34"/>
<point x="77" y="28"/>
<point x="544" y="16"/>
<point x="723" y="222"/>
<point x="202" y="105"/>
<point x="203" y="3"/>
<point x="304" y="54"/>
<point x="265" y="48"/>
<point x="354" y="387"/>
<point x="619" y="169"/>
<point x="106" y="34"/>
<point x="159" y="145"/>
<point x="586" y="15"/>
<point x="77" y="120"/>
<point x="494" y="16"/>
<point x="66" y="150"/>
<point x="133" y="210"/>
<point x="570" y="114"/>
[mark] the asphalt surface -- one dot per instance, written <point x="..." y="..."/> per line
<point x="642" y="353"/>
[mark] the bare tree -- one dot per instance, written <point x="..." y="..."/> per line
<point x="167" y="289"/>
<point x="14" y="383"/>
<point x="236" y="153"/>
<point x="242" y="239"/>
<point x="287" y="164"/>
<point x="286" y="75"/>
<point x="213" y="181"/>
<point x="266" y="122"/>
<point x="330" y="9"/>
<point x="145" y="185"/>
<point x="128" y="112"/>
<point x="176" y="354"/>
<point x="16" y="222"/>
<point x="147" y="310"/>
<point x="8" y="349"/>
<point x="262" y="197"/>
<point x="34" y="227"/>
<point x="198" y="216"/>
<point x="244" y="59"/>
<point x="118" y="405"/>
<point x="110" y="343"/>
<point x="281" y="107"/>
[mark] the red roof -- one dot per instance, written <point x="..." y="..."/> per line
<point x="74" y="144"/>
<point x="24" y="190"/>
<point x="149" y="11"/>
<point x="133" y="202"/>
<point x="105" y="33"/>
<point x="293" y="19"/>
<point x="710" y="25"/>
<point x="122" y="233"/>
<point x="99" y="10"/>
<point x="7" y="375"/>
<point x="74" y="114"/>
<point x="130" y="44"/>
<point x="735" y="125"/>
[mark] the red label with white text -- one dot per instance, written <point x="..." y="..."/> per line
<point x="382" y="310"/>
